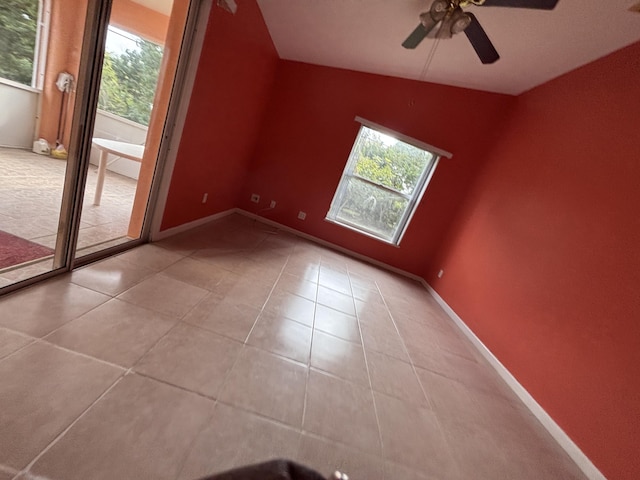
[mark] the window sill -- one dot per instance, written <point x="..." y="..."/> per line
<point x="11" y="83"/>
<point x="362" y="232"/>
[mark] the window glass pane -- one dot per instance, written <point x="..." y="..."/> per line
<point x="371" y="208"/>
<point x="18" y="24"/>
<point x="382" y="184"/>
<point x="129" y="76"/>
<point x="389" y="162"/>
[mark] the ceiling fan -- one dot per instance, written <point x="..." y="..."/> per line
<point x="452" y="20"/>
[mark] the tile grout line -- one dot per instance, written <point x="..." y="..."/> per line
<point x="10" y="471"/>
<point x="81" y="354"/>
<point x="399" y="314"/>
<point x="366" y="363"/>
<point x="189" y="448"/>
<point x="265" y="302"/>
<point x="313" y="331"/>
<point x="111" y="297"/>
<point x="406" y="350"/>
<point x="216" y="401"/>
<point x="169" y="384"/>
<point x="179" y="321"/>
<point x="33" y="340"/>
<point x="212" y="332"/>
<point x="415" y="372"/>
<point x="57" y="438"/>
<point x="244" y="343"/>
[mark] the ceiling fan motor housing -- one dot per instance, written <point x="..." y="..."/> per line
<point x="439" y="9"/>
<point x="459" y="21"/>
<point x="452" y="20"/>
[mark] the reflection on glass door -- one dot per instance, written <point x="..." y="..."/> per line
<point x="137" y="73"/>
<point x="46" y="81"/>
<point x="129" y="77"/>
<point x="40" y="43"/>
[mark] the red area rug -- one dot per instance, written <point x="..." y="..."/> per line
<point x="15" y="250"/>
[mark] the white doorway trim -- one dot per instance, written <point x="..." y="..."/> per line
<point x="184" y="97"/>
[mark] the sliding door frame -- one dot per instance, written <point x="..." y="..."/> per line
<point x="195" y="31"/>
<point x="85" y="107"/>
<point x="84" y="112"/>
<point x="169" y="143"/>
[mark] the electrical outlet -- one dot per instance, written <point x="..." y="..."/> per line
<point x="255" y="198"/>
<point x="272" y="204"/>
<point x="440" y="273"/>
<point x="205" y="197"/>
<point x="302" y="215"/>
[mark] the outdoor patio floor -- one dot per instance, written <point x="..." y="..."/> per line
<point x="31" y="188"/>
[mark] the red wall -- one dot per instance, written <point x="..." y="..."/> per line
<point x="309" y="130"/>
<point x="534" y="220"/>
<point x="235" y="74"/>
<point x="544" y="260"/>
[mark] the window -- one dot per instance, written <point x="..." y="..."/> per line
<point x="23" y="37"/>
<point x="129" y="76"/>
<point x="383" y="182"/>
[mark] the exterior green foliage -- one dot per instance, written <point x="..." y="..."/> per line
<point x="371" y="208"/>
<point x="394" y="165"/>
<point x="129" y="81"/>
<point x="18" y="27"/>
<point x="395" y="169"/>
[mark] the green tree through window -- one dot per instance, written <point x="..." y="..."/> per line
<point x="129" y="81"/>
<point x="18" y="27"/>
<point x="388" y="162"/>
<point x="381" y="185"/>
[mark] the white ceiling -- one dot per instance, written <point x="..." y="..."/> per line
<point x="535" y="45"/>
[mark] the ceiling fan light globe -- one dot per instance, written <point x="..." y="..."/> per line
<point x="439" y="6"/>
<point x="460" y="24"/>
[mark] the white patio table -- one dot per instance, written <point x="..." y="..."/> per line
<point x="119" y="149"/>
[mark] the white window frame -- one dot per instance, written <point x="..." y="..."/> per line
<point x="41" y="43"/>
<point x="413" y="200"/>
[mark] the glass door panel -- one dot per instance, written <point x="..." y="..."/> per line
<point x="140" y="57"/>
<point x="74" y="179"/>
<point x="40" y="45"/>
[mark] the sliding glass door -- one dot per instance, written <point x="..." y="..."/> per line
<point x="40" y="45"/>
<point x="77" y="169"/>
<point x="139" y="60"/>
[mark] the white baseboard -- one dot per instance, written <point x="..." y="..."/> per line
<point x="333" y="246"/>
<point x="565" y="442"/>
<point x="583" y="462"/>
<point x="188" y="226"/>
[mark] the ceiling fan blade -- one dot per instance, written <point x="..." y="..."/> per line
<point x="539" y="4"/>
<point x="416" y="37"/>
<point x="421" y="31"/>
<point x="480" y="42"/>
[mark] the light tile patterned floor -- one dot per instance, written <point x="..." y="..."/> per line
<point x="30" y="197"/>
<point x="235" y="343"/>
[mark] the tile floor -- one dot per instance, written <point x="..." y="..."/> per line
<point x="30" y="197"/>
<point x="235" y="343"/>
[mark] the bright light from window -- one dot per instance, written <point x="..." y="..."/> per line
<point x="388" y="140"/>
<point x="381" y="185"/>
<point x="129" y="75"/>
<point x="119" y="41"/>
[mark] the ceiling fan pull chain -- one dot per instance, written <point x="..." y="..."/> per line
<point x="428" y="60"/>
